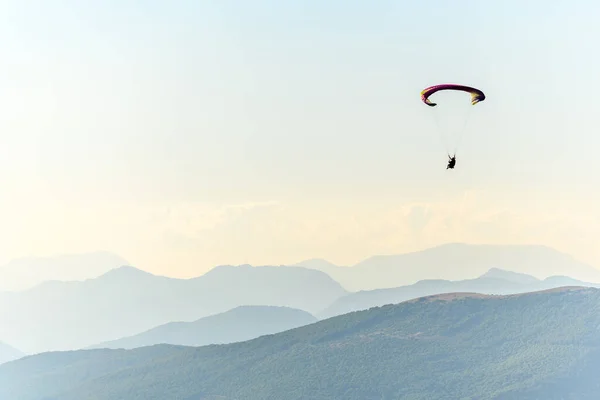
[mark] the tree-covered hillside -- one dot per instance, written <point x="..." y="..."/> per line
<point x="543" y="345"/>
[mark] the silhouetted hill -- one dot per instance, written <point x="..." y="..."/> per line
<point x="566" y="281"/>
<point x="317" y="263"/>
<point x="25" y="273"/>
<point x="322" y="265"/>
<point x="456" y="262"/>
<point x="495" y="281"/>
<point x="543" y="345"/>
<point x="8" y="353"/>
<point x="127" y="301"/>
<point x="510" y="276"/>
<point x="241" y="323"/>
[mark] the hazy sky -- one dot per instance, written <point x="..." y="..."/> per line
<point x="185" y="134"/>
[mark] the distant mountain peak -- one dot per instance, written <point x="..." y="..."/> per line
<point x="126" y="270"/>
<point x="128" y="275"/>
<point x="563" y="280"/>
<point x="235" y="325"/>
<point x="459" y="261"/>
<point x="516" y="277"/>
<point x="27" y="272"/>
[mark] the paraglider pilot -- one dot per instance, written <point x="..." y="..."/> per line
<point x="451" y="162"/>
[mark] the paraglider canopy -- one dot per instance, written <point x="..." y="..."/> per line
<point x="476" y="94"/>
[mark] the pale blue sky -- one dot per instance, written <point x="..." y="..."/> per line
<point x="137" y="126"/>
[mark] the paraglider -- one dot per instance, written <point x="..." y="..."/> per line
<point x="476" y="97"/>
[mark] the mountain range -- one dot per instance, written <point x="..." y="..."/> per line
<point x="237" y="325"/>
<point x="248" y="322"/>
<point x="494" y="281"/>
<point x="454" y="261"/>
<point x="127" y="301"/>
<point x="542" y="345"/>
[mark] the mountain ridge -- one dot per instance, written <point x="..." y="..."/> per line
<point x="454" y="261"/>
<point x="494" y="282"/>
<point x="26" y="272"/>
<point x="238" y="324"/>
<point x="461" y="346"/>
<point x="127" y="301"/>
